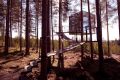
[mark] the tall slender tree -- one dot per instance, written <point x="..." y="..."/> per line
<point x="37" y="20"/>
<point x="2" y="20"/>
<point x="99" y="35"/>
<point x="118" y="5"/>
<point x="52" y="42"/>
<point x="27" y="35"/>
<point x="108" y="44"/>
<point x="7" y="29"/>
<point x="60" y="61"/>
<point x="48" y="39"/>
<point x="52" y="25"/>
<point x="10" y="30"/>
<point x="81" y="24"/>
<point x="21" y="27"/>
<point x="45" y="44"/>
<point x="90" y="29"/>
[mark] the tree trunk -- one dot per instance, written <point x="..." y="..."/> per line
<point x="86" y="33"/>
<point x="108" y="44"/>
<point x="10" y="35"/>
<point x="3" y="34"/>
<point x="36" y="23"/>
<point x="7" y="29"/>
<point x="45" y="44"/>
<point x="27" y="29"/>
<point x="99" y="36"/>
<point x="60" y="61"/>
<point x="52" y="28"/>
<point x="91" y="44"/>
<point x="48" y="40"/>
<point x="21" y="29"/>
<point x="37" y="19"/>
<point x="53" y="47"/>
<point x="19" y="26"/>
<point x="118" y="4"/>
<point x="81" y="16"/>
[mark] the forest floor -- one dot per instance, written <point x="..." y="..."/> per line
<point x="11" y="67"/>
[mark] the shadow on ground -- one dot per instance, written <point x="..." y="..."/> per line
<point x="16" y="55"/>
<point x="88" y="70"/>
<point x="110" y="72"/>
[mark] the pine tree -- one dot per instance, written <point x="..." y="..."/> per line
<point x="45" y="46"/>
<point x="7" y="29"/>
<point x="99" y="35"/>
<point x="118" y="4"/>
<point x="27" y="35"/>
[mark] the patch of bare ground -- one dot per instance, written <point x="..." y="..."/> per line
<point x="70" y="70"/>
<point x="73" y="69"/>
<point x="110" y="71"/>
<point x="11" y="67"/>
<point x="70" y="59"/>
